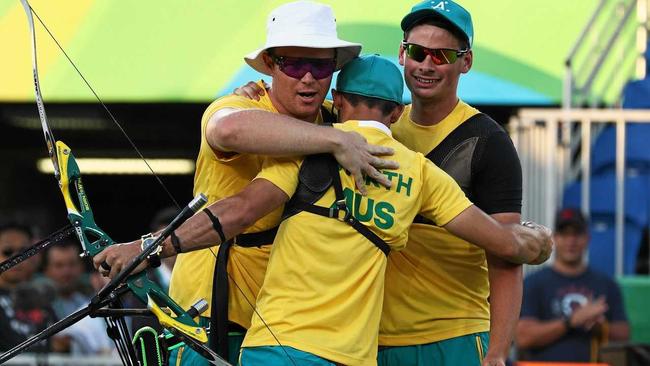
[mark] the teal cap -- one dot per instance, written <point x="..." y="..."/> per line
<point x="372" y="76"/>
<point x="448" y="10"/>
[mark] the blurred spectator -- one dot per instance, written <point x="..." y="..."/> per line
<point x="88" y="336"/>
<point x="64" y="273"/>
<point x="569" y="309"/>
<point x="64" y="268"/>
<point x="24" y="308"/>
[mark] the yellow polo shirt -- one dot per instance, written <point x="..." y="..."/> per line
<point x="220" y="176"/>
<point x="437" y="288"/>
<point x="325" y="282"/>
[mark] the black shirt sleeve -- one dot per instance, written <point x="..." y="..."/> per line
<point x="496" y="185"/>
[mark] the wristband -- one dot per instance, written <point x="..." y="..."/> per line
<point x="176" y="243"/>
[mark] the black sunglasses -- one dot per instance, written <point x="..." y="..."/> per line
<point x="298" y="67"/>
<point x="439" y="56"/>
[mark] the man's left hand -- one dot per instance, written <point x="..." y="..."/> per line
<point x="118" y="256"/>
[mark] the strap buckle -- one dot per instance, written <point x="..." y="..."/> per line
<point x="341" y="206"/>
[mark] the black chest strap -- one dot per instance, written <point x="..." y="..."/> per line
<point x="219" y="324"/>
<point x="311" y="188"/>
<point x="456" y="154"/>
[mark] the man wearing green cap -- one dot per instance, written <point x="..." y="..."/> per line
<point x="436" y="309"/>
<point x="321" y="300"/>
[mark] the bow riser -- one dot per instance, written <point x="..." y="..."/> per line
<point x="93" y="239"/>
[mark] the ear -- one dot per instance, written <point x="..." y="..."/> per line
<point x="337" y="99"/>
<point x="467" y="62"/>
<point x="268" y="61"/>
<point x="401" y="54"/>
<point x="397" y="113"/>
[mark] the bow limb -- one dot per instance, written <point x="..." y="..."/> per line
<point x="47" y="132"/>
<point x="92" y="238"/>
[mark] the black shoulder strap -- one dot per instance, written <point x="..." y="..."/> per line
<point x="479" y="125"/>
<point x="312" y="186"/>
<point x="312" y="183"/>
<point x="455" y="154"/>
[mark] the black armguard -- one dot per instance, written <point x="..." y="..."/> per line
<point x="215" y="224"/>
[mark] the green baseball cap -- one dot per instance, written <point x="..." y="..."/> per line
<point x="372" y="76"/>
<point x="448" y="10"/>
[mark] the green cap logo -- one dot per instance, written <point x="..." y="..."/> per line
<point x="448" y="10"/>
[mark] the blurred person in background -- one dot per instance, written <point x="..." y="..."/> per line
<point x="65" y="277"/>
<point x="88" y="336"/>
<point x="64" y="268"/>
<point x="569" y="309"/>
<point x="24" y="308"/>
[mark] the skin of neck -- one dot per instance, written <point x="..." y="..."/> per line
<point x="430" y="112"/>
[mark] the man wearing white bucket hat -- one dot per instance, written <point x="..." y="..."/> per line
<point x="301" y="53"/>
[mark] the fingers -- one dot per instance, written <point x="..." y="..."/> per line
<point x="377" y="176"/>
<point x="109" y="262"/>
<point x="383" y="163"/>
<point x="98" y="260"/>
<point x="380" y="150"/>
<point x="360" y="182"/>
<point x="251" y="91"/>
<point x="105" y="266"/>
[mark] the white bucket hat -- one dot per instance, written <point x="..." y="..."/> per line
<point x="303" y="24"/>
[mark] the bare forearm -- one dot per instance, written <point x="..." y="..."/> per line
<point x="198" y="231"/>
<point x="266" y="133"/>
<point x="535" y="333"/>
<point x="505" y="303"/>
<point x="235" y="214"/>
<point x="513" y="242"/>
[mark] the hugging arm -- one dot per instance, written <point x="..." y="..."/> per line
<point x="515" y="243"/>
<point x="255" y="131"/>
<point x="235" y="214"/>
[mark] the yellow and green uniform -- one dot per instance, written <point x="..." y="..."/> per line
<point x="437" y="294"/>
<point x="433" y="292"/>
<point x="219" y="175"/>
<point x="325" y="282"/>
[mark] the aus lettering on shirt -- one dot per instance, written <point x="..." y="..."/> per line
<point x="399" y="183"/>
<point x="381" y="213"/>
